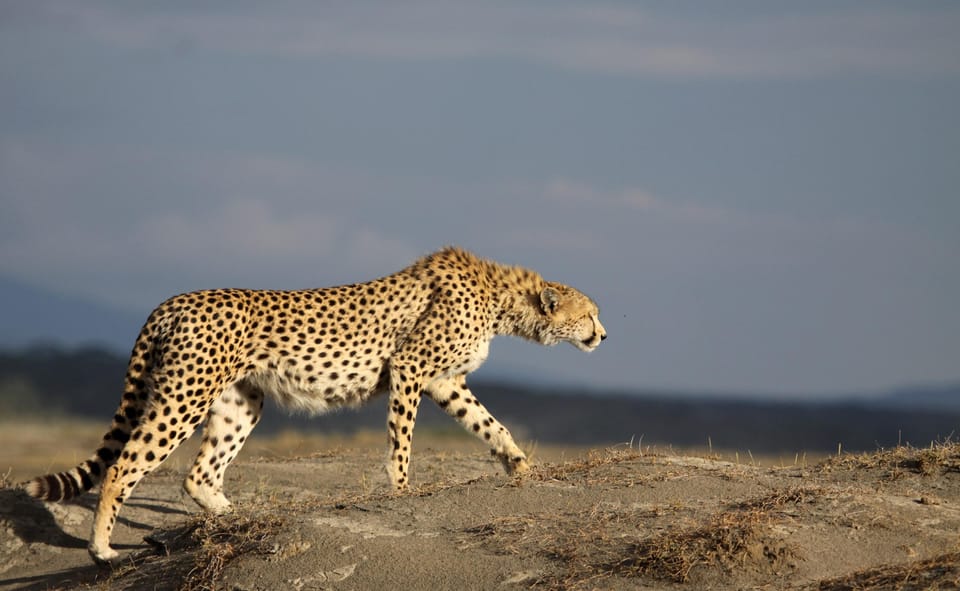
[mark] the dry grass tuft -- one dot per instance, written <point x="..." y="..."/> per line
<point x="594" y="545"/>
<point x="934" y="460"/>
<point x="578" y="468"/>
<point x="940" y="572"/>
<point x="221" y="539"/>
<point x="730" y="539"/>
<point x="725" y="541"/>
<point x="192" y="557"/>
<point x="780" y="498"/>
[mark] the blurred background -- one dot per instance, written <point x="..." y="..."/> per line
<point x="761" y="196"/>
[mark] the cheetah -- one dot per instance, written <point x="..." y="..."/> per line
<point x="213" y="356"/>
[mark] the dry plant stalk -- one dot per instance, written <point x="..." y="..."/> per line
<point x="940" y="572"/>
<point x="224" y="538"/>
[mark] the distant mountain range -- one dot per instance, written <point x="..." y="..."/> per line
<point x="31" y="316"/>
<point x="945" y="398"/>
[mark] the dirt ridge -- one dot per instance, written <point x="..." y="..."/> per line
<point x="607" y="519"/>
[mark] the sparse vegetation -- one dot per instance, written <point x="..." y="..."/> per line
<point x="582" y="467"/>
<point x="933" y="460"/>
<point x="221" y="540"/>
<point x="614" y="518"/>
<point x="940" y="573"/>
<point x="193" y="556"/>
<point x="599" y="543"/>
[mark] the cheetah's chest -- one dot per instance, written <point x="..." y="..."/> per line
<point x="473" y="360"/>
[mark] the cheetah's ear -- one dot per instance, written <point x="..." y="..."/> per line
<point x="549" y="300"/>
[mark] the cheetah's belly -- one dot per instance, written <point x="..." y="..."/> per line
<point x="316" y="394"/>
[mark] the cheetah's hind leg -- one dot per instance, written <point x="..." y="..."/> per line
<point x="159" y="433"/>
<point x="229" y="422"/>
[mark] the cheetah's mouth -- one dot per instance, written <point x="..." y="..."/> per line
<point x="589" y="344"/>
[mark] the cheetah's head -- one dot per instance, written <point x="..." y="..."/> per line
<point x="571" y="316"/>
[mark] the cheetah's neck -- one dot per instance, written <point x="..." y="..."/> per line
<point x="516" y="291"/>
<point x="518" y="296"/>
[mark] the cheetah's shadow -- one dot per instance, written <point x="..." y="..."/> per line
<point x="31" y="521"/>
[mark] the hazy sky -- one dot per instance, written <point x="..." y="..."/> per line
<point x="762" y="196"/>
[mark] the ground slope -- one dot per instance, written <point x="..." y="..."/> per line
<point x="608" y="519"/>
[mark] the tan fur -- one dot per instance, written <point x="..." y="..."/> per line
<point x="213" y="356"/>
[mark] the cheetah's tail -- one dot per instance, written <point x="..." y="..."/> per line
<point x="68" y="484"/>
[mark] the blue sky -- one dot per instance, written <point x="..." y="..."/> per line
<point x="762" y="196"/>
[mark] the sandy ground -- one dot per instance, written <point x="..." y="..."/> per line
<point x="618" y="518"/>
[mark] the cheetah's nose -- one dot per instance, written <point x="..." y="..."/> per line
<point x="603" y="337"/>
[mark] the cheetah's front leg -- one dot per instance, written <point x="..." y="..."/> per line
<point x="455" y="398"/>
<point x="405" y="393"/>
